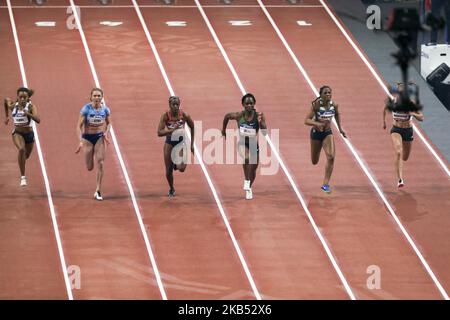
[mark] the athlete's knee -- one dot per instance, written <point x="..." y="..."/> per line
<point x="398" y="152"/>
<point x="330" y="158"/>
<point x="100" y="163"/>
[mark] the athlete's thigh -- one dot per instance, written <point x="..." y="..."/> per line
<point x="316" y="147"/>
<point x="328" y="145"/>
<point x="407" y="145"/>
<point x="397" y="141"/>
<point x="19" y="141"/>
<point x="167" y="154"/>
<point x="99" y="149"/>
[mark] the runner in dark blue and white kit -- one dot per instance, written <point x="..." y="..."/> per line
<point x="171" y="126"/>
<point x="322" y="111"/>
<point x="92" y="131"/>
<point x="23" y="113"/>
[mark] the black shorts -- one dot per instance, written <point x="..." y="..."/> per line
<point x="27" y="136"/>
<point x="253" y="149"/>
<point x="320" y="135"/>
<point x="174" y="142"/>
<point x="406" y="133"/>
<point x="92" y="138"/>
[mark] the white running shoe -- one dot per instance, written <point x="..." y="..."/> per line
<point x="98" y="196"/>
<point x="400" y="183"/>
<point x="23" y="181"/>
<point x="249" y="194"/>
<point x="246" y="185"/>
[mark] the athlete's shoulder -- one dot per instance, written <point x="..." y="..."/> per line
<point x="85" y="109"/>
<point x="107" y="110"/>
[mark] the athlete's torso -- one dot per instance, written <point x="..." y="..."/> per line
<point x="401" y="119"/>
<point x="324" y="113"/>
<point x="248" y="128"/>
<point x="95" y="118"/>
<point x="20" y="119"/>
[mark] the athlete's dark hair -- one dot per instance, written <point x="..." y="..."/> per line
<point x="26" y="90"/>
<point x="173" y="98"/>
<point x="323" y="88"/>
<point x="97" y="89"/>
<point x="320" y="92"/>
<point x="248" y="95"/>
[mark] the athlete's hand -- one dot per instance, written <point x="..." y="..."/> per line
<point x="224" y="134"/>
<point x="105" y="137"/>
<point x="192" y="148"/>
<point x="6" y="121"/>
<point x="384" y="125"/>
<point x="343" y="133"/>
<point x="79" y="147"/>
<point x="320" y="126"/>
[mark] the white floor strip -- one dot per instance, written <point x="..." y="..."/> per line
<point x="41" y="160"/>
<point x="199" y="157"/>
<point x="358" y="158"/>
<point x="283" y="166"/>
<point x="122" y="163"/>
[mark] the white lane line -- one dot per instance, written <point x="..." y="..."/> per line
<point x="161" y="6"/>
<point x="283" y="166"/>
<point x="357" y="157"/>
<point x="199" y="157"/>
<point x="383" y="85"/>
<point x="122" y="163"/>
<point x="41" y="160"/>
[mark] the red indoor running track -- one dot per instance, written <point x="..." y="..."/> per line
<point x="194" y="251"/>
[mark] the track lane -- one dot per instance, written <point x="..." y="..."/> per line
<point x="423" y="205"/>
<point x="30" y="267"/>
<point x="358" y="240"/>
<point x="193" y="249"/>
<point x="102" y="238"/>
<point x="284" y="256"/>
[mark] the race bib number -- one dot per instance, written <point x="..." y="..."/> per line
<point x="248" y="132"/>
<point x="21" y="120"/>
<point x="96" y="121"/>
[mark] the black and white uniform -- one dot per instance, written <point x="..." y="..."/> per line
<point x="405" y="133"/>
<point x="323" y="115"/>
<point x="21" y="120"/>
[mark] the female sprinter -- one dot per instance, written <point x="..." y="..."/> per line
<point x="22" y="112"/>
<point x="249" y="122"/>
<point x="171" y="126"/>
<point x="92" y="131"/>
<point x="401" y="132"/>
<point x="323" y="110"/>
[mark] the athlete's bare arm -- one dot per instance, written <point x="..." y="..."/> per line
<point x="226" y="119"/>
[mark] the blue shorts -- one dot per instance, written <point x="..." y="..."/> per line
<point x="92" y="138"/>
<point x="406" y="133"/>
<point x="27" y="136"/>
<point x="173" y="143"/>
<point x="320" y="135"/>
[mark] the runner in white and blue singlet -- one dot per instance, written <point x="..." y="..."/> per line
<point x="321" y="114"/>
<point x="401" y="131"/>
<point x="92" y="131"/>
<point x="23" y="113"/>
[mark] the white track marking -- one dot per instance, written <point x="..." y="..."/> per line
<point x="358" y="158"/>
<point x="122" y="164"/>
<point x="163" y="6"/>
<point x="283" y="166"/>
<point x="199" y="157"/>
<point x="41" y="160"/>
<point x="383" y="85"/>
